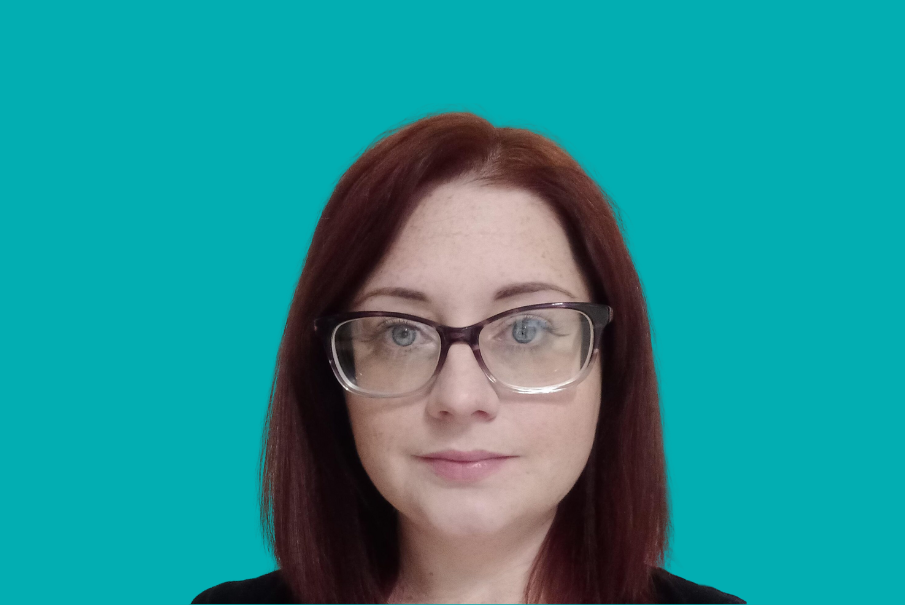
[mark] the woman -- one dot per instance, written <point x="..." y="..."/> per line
<point x="516" y="459"/>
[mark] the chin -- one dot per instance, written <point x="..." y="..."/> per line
<point x="462" y="526"/>
<point x="468" y="517"/>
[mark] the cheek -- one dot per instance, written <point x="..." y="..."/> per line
<point x="564" y="433"/>
<point x="565" y="441"/>
<point x="367" y="433"/>
<point x="377" y="437"/>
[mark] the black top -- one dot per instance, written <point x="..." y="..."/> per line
<point x="270" y="588"/>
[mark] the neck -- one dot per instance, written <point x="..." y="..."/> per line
<point x="436" y="568"/>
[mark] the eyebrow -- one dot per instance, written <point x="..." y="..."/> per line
<point x="501" y="294"/>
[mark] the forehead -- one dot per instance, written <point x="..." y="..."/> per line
<point x="466" y="240"/>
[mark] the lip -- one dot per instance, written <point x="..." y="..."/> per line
<point x="465" y="467"/>
<point x="469" y="456"/>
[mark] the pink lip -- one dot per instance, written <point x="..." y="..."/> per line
<point x="469" y="456"/>
<point x="465" y="466"/>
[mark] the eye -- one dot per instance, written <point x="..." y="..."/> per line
<point x="403" y="334"/>
<point x="399" y="333"/>
<point x="525" y="329"/>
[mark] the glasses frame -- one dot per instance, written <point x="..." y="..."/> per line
<point x="600" y="315"/>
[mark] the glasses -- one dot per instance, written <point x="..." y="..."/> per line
<point x="540" y="348"/>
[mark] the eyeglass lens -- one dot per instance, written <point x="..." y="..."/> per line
<point x="393" y="356"/>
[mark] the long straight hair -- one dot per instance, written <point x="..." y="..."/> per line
<point x="332" y="533"/>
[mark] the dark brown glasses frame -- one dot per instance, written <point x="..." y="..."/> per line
<point x="600" y="316"/>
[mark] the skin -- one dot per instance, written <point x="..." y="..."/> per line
<point x="474" y="542"/>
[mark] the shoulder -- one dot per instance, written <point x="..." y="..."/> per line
<point x="669" y="588"/>
<point x="268" y="588"/>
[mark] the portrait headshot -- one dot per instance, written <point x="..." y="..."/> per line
<point x="474" y="303"/>
<point x="465" y="405"/>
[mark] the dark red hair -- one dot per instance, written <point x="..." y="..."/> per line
<point x="333" y="534"/>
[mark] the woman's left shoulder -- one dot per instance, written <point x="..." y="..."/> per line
<point x="269" y="588"/>
<point x="670" y="588"/>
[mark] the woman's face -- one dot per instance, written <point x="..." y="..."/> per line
<point x="464" y="243"/>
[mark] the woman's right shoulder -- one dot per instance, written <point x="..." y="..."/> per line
<point x="269" y="588"/>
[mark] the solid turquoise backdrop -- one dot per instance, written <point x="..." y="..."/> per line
<point x="163" y="167"/>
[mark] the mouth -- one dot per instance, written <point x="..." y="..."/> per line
<point x="465" y="467"/>
<point x="469" y="456"/>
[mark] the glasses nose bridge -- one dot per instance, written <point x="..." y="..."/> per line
<point x="467" y="335"/>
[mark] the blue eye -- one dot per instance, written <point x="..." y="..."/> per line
<point x="403" y="334"/>
<point x="524" y="330"/>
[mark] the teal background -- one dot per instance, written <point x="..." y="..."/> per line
<point x="163" y="167"/>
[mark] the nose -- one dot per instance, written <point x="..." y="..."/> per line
<point x="462" y="390"/>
